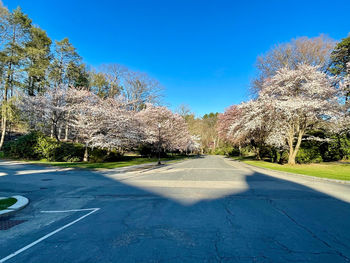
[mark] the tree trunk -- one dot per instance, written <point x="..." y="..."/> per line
<point x="55" y="133"/>
<point x="51" y="131"/>
<point x="291" y="158"/>
<point x="86" y="154"/>
<point x="293" y="151"/>
<point x="159" y="141"/>
<point x="257" y="152"/>
<point x="3" y="130"/>
<point x="59" y="132"/>
<point x="4" y="106"/>
<point x="67" y="128"/>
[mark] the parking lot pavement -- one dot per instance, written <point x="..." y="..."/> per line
<point x="201" y="210"/>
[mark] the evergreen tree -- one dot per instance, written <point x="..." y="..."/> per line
<point x="12" y="58"/>
<point x="65" y="58"/>
<point x="38" y="60"/>
<point x="340" y="57"/>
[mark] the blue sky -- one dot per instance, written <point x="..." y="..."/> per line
<point x="203" y="52"/>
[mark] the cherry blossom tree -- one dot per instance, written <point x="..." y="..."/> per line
<point x="293" y="102"/>
<point x="289" y="105"/>
<point x="103" y="123"/>
<point x="87" y="112"/>
<point x="312" y="51"/>
<point x="164" y="129"/>
<point x="45" y="111"/>
<point x="194" y="144"/>
<point x="249" y="125"/>
<point x="225" y="120"/>
<point x="119" y="128"/>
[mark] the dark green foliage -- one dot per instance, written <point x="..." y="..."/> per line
<point x="235" y="152"/>
<point x="46" y="147"/>
<point x="227" y="150"/>
<point x="337" y="149"/>
<point x="36" y="146"/>
<point x="97" y="155"/>
<point x="311" y="151"/>
<point x="66" y="68"/>
<point x="23" y="147"/>
<point x="37" y="52"/>
<point x="68" y="152"/>
<point x="146" y="150"/>
<point x="339" y="59"/>
<point x="308" y="155"/>
<point x="340" y="56"/>
<point x="99" y="84"/>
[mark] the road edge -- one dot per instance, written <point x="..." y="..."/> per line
<point x="21" y="203"/>
<point x="315" y="178"/>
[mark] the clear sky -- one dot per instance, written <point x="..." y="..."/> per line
<point x="203" y="52"/>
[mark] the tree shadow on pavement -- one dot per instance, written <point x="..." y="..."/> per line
<point x="268" y="220"/>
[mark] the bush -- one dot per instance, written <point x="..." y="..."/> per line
<point x="234" y="152"/>
<point x="69" y="152"/>
<point x="46" y="147"/>
<point x="36" y="146"/>
<point x="338" y="148"/>
<point x="219" y="151"/>
<point x="23" y="147"/>
<point x="311" y="155"/>
<point x="97" y="155"/>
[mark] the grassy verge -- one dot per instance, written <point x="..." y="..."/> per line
<point x="5" y="203"/>
<point x="340" y="171"/>
<point x="128" y="161"/>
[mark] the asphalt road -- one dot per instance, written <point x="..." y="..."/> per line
<point x="208" y="209"/>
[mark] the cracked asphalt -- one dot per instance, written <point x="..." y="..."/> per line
<point x="209" y="209"/>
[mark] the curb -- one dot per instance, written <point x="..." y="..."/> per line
<point x="315" y="178"/>
<point x="21" y="203"/>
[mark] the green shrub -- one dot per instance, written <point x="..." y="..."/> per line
<point x="69" y="152"/>
<point x="46" y="147"/>
<point x="336" y="149"/>
<point x="97" y="155"/>
<point x="23" y="147"/>
<point x="311" y="155"/>
<point x="36" y="146"/>
<point x="234" y="152"/>
<point x="219" y="151"/>
<point x="145" y="150"/>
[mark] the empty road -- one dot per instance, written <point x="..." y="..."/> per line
<point x="209" y="209"/>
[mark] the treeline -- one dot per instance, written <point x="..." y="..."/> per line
<point x="47" y="88"/>
<point x="300" y="110"/>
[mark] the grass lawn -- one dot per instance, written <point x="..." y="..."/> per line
<point x="5" y="203"/>
<point x="128" y="161"/>
<point x="332" y="170"/>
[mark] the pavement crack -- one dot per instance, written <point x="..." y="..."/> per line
<point x="307" y="230"/>
<point x="219" y="258"/>
<point x="229" y="215"/>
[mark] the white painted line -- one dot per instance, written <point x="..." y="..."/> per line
<point x="72" y="210"/>
<point x="93" y="210"/>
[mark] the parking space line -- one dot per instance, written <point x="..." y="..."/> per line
<point x="92" y="210"/>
